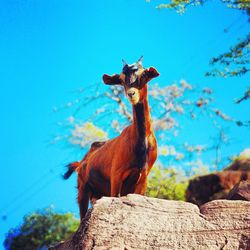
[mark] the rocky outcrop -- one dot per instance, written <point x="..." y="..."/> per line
<point x="218" y="185"/>
<point x="241" y="163"/>
<point x="139" y="222"/>
<point x="241" y="191"/>
<point x="214" y="186"/>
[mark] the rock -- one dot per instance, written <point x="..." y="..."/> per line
<point x="214" y="186"/>
<point x="241" y="163"/>
<point x="240" y="192"/>
<point x="139" y="222"/>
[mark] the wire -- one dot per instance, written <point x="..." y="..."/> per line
<point x="19" y="200"/>
<point x="194" y="59"/>
<point x="32" y="195"/>
<point x="19" y="195"/>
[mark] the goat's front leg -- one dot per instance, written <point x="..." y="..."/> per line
<point x="141" y="185"/>
<point x="116" y="184"/>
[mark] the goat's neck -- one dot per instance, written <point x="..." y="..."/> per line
<point x="141" y="119"/>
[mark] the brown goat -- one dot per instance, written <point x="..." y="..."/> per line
<point x="121" y="165"/>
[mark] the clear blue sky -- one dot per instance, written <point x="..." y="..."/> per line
<point x="49" y="48"/>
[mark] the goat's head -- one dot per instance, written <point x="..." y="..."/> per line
<point x="134" y="79"/>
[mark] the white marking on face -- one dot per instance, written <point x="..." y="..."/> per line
<point x="133" y="95"/>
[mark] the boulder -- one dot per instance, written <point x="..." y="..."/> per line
<point x="139" y="222"/>
<point x="214" y="186"/>
<point x="241" y="191"/>
<point x="240" y="163"/>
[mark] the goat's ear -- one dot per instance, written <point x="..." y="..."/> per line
<point x="147" y="75"/>
<point x="112" y="80"/>
<point x="150" y="73"/>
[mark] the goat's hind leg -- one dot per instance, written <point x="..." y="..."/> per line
<point x="83" y="200"/>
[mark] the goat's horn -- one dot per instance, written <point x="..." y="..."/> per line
<point x="140" y="60"/>
<point x="124" y="62"/>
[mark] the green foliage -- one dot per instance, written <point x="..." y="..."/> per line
<point x="41" y="229"/>
<point x="233" y="62"/>
<point x="241" y="161"/>
<point x="238" y="4"/>
<point x="180" y="6"/>
<point x="85" y="133"/>
<point x="167" y="184"/>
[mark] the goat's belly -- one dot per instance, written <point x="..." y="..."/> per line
<point x="129" y="183"/>
<point x="99" y="185"/>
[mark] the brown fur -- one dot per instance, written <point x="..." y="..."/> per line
<point x="117" y="167"/>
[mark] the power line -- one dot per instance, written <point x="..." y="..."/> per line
<point x="212" y="40"/>
<point x="17" y="197"/>
<point x="20" y="197"/>
<point x="194" y="59"/>
<point x="31" y="196"/>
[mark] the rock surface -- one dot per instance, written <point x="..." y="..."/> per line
<point x="242" y="163"/>
<point x="214" y="186"/>
<point x="139" y="222"/>
<point x="240" y="192"/>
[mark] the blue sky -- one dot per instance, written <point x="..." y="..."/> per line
<point x="50" y="48"/>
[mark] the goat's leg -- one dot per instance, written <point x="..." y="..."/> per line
<point x="141" y="185"/>
<point x="116" y="185"/>
<point x="83" y="200"/>
<point x="130" y="178"/>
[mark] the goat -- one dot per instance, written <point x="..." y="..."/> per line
<point x="121" y="165"/>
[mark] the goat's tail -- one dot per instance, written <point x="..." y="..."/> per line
<point x="75" y="166"/>
<point x="72" y="167"/>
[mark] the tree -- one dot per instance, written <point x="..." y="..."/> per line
<point x="241" y="161"/>
<point x="171" y="104"/>
<point x="233" y="62"/>
<point x="168" y="184"/>
<point x="41" y="229"/>
<point x="181" y="5"/>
